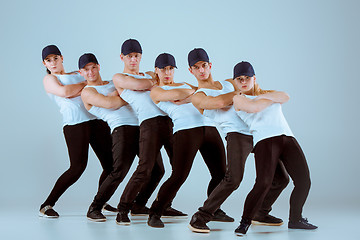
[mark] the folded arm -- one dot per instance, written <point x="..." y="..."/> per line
<point x="54" y="86"/>
<point x="91" y="98"/>
<point x="275" y="96"/>
<point x="241" y="103"/>
<point x="158" y="94"/>
<point x="128" y="82"/>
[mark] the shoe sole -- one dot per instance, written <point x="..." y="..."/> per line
<point x="46" y="216"/>
<point x="156" y="226"/>
<point x="239" y="234"/>
<point x="97" y="220"/>
<point x="139" y="214"/>
<point x="215" y="220"/>
<point x="266" y="224"/>
<point x="196" y="230"/>
<point x="123" y="223"/>
<point x="177" y="217"/>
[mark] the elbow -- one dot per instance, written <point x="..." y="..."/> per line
<point x="286" y="97"/>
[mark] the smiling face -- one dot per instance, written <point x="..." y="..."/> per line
<point x="91" y="72"/>
<point x="201" y="70"/>
<point x="166" y="74"/>
<point x="131" y="61"/>
<point x="54" y="63"/>
<point x="245" y="83"/>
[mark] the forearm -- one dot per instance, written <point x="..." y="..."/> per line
<point x="251" y="105"/>
<point x="129" y="82"/>
<point x="174" y="95"/>
<point x="218" y="102"/>
<point x="276" y="97"/>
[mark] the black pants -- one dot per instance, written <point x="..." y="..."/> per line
<point x="239" y="147"/>
<point x="268" y="153"/>
<point x="154" y="133"/>
<point x="125" y="147"/>
<point x="186" y="144"/>
<point x="78" y="137"/>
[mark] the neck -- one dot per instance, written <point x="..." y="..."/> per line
<point x="131" y="71"/>
<point x="207" y="83"/>
<point x="60" y="72"/>
<point x="97" y="82"/>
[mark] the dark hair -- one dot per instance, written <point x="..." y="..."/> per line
<point x="48" y="71"/>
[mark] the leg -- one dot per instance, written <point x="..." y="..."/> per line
<point x="100" y="141"/>
<point x="239" y="147"/>
<point x="125" y="147"/>
<point x="149" y="147"/>
<point x="186" y="144"/>
<point x="296" y="165"/>
<point x="267" y="153"/>
<point x="77" y="141"/>
<point x="213" y="153"/>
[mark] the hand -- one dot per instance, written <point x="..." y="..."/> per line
<point x="113" y="94"/>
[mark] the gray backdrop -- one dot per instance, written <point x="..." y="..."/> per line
<point x="306" y="48"/>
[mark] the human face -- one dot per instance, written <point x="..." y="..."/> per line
<point x="166" y="74"/>
<point x="54" y="63"/>
<point x="245" y="83"/>
<point x="91" y="72"/>
<point x="131" y="61"/>
<point x="201" y="70"/>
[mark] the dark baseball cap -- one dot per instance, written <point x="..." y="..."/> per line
<point x="129" y="46"/>
<point x="87" y="58"/>
<point x="243" y="69"/>
<point x="196" y="55"/>
<point x="164" y="60"/>
<point x="50" y="49"/>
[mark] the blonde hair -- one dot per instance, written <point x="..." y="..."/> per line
<point x="256" y="90"/>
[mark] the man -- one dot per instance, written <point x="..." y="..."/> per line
<point x="155" y="130"/>
<point x="102" y="100"/>
<point x="214" y="99"/>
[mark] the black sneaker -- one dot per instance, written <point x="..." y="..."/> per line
<point x="243" y="227"/>
<point x="172" y="212"/>
<point x="220" y="216"/>
<point x="95" y="215"/>
<point x="122" y="218"/>
<point x="301" y="224"/>
<point x="109" y="208"/>
<point x="267" y="220"/>
<point x="198" y="225"/>
<point x="155" y="221"/>
<point x="48" y="212"/>
<point x="137" y="210"/>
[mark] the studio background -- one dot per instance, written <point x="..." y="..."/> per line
<point x="308" y="49"/>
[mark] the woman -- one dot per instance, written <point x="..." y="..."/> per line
<point x="274" y="142"/>
<point x="80" y="127"/>
<point x="192" y="132"/>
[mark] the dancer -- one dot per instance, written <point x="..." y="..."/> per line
<point x="102" y="100"/>
<point x="155" y="130"/>
<point x="214" y="99"/>
<point x="274" y="142"/>
<point x="80" y="127"/>
<point x="192" y="133"/>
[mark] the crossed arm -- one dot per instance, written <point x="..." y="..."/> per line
<point x="241" y="103"/>
<point x="54" y="86"/>
<point x="91" y="97"/>
<point x="123" y="81"/>
<point x="158" y="94"/>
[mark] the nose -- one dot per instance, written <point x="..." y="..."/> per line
<point x="201" y="69"/>
<point x="167" y="71"/>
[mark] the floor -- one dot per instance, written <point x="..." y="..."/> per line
<point x="333" y="224"/>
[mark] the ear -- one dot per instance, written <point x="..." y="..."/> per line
<point x="62" y="58"/>
<point x="156" y="70"/>
<point x="190" y="69"/>
<point x="81" y="72"/>
<point x="254" y="79"/>
<point x="44" y="63"/>
<point x="98" y="67"/>
<point x="122" y="57"/>
<point x="210" y="64"/>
